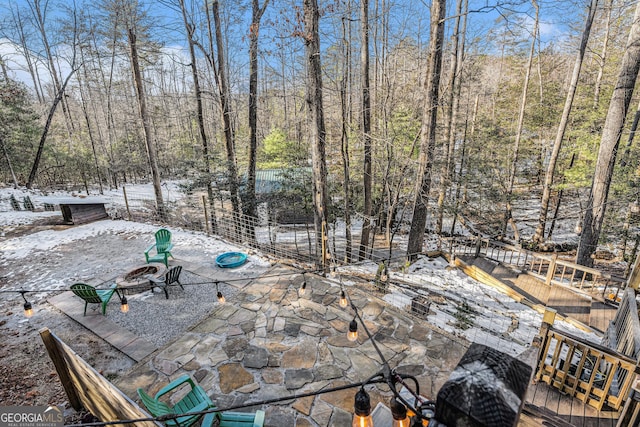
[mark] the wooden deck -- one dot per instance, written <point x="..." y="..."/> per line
<point x="545" y="405"/>
<point x="566" y="301"/>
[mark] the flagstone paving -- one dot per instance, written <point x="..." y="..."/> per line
<point x="268" y="342"/>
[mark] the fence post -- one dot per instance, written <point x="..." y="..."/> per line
<point x="552" y="269"/>
<point x="206" y="215"/>
<point x="478" y="246"/>
<point x="126" y="202"/>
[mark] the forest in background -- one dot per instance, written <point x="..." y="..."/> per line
<point x="460" y="106"/>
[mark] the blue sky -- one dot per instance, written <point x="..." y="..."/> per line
<point x="409" y="19"/>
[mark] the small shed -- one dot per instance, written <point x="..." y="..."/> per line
<point x="283" y="191"/>
<point x="80" y="210"/>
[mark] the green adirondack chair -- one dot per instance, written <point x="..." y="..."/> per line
<point x="162" y="248"/>
<point x="196" y="400"/>
<point x="91" y="295"/>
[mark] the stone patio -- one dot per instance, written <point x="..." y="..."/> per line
<point x="268" y="342"/>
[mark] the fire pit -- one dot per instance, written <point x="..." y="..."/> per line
<point x="138" y="278"/>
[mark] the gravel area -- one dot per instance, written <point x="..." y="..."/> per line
<point x="160" y="320"/>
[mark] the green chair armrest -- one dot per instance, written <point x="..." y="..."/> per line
<point x="175" y="384"/>
<point x="259" y="420"/>
<point x="146" y="251"/>
<point x="209" y="419"/>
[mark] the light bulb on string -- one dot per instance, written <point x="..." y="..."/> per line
<point x="399" y="413"/>
<point x="28" y="308"/>
<point x="352" y="335"/>
<point x="343" y="299"/>
<point x="221" y="298"/>
<point x="362" y="410"/>
<point x="303" y="288"/>
<point x="124" y="305"/>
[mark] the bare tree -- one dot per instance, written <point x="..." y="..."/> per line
<point x="428" y="130"/>
<point x="344" y="134"/>
<point x="365" y="127"/>
<point x="225" y="101"/>
<point x="317" y="133"/>
<point x="557" y="144"/>
<point x="508" y="218"/>
<point x="146" y="125"/>
<point x="249" y="203"/>
<point x="452" y="101"/>
<point x="40" y="15"/>
<point x="614" y="123"/>
<point x="603" y="56"/>
<point x="56" y="100"/>
<point x="190" y="28"/>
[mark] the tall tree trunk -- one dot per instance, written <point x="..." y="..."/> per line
<point x="367" y="182"/>
<point x="344" y="137"/>
<point x="538" y="237"/>
<point x="249" y="203"/>
<point x="450" y="132"/>
<point x="225" y="101"/>
<point x="428" y="130"/>
<point x="611" y="133"/>
<point x="142" y="106"/>
<point x="6" y="156"/>
<point x="39" y="16"/>
<point x="508" y="218"/>
<point x="47" y="125"/>
<point x="632" y="135"/>
<point x="603" y="56"/>
<point x="317" y="131"/>
<point x="85" y="112"/>
<point x="190" y="28"/>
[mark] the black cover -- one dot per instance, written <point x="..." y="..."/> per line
<point x="485" y="390"/>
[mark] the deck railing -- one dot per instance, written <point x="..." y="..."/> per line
<point x="623" y="334"/>
<point x="596" y="375"/>
<point x="548" y="268"/>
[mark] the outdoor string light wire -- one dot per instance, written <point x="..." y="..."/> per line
<point x="362" y="406"/>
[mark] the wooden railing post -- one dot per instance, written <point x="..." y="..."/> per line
<point x="61" y="368"/>
<point x="552" y="269"/>
<point x="478" y="246"/>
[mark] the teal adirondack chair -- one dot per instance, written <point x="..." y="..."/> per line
<point x="91" y="295"/>
<point x="162" y="248"/>
<point x="195" y="400"/>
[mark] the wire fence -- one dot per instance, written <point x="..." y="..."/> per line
<point x="297" y="243"/>
<point x="467" y="313"/>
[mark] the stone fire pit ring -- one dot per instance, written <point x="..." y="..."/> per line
<point x="137" y="279"/>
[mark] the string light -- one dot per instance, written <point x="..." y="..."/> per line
<point x="399" y="413"/>
<point x="28" y="308"/>
<point x="352" y="335"/>
<point x="362" y="404"/>
<point x="221" y="298"/>
<point x="343" y="299"/>
<point x="362" y="410"/>
<point x="303" y="288"/>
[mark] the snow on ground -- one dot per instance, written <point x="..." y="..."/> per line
<point x="459" y="304"/>
<point x="465" y="307"/>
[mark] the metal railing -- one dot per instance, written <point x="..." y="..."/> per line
<point x="548" y="268"/>
<point x="596" y="375"/>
